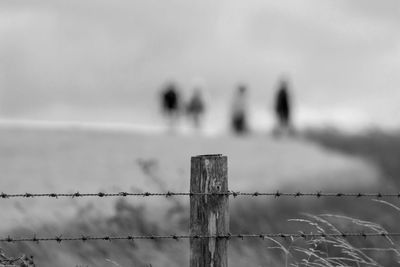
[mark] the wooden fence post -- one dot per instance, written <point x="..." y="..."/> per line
<point x="209" y="214"/>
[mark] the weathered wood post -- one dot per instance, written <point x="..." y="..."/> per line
<point x="209" y="213"/>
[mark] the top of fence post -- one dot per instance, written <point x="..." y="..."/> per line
<point x="209" y="215"/>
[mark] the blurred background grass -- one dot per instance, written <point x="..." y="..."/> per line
<point x="133" y="216"/>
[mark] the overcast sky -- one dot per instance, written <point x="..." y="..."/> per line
<point x="342" y="56"/>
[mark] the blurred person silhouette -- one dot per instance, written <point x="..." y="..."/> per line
<point x="195" y="108"/>
<point x="239" y="110"/>
<point x="171" y="103"/>
<point x="283" y="109"/>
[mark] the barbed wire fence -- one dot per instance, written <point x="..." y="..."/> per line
<point x="234" y="194"/>
<point x="262" y="236"/>
<point x="209" y="197"/>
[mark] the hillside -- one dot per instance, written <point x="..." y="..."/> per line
<point x="72" y="160"/>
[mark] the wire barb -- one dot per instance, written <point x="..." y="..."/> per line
<point x="58" y="239"/>
<point x="124" y="194"/>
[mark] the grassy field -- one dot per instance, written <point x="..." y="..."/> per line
<point x="91" y="161"/>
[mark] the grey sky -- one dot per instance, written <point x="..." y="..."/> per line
<point x="339" y="54"/>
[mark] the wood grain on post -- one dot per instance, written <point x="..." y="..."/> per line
<point x="209" y="213"/>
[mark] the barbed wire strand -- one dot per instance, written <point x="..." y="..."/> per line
<point x="306" y="236"/>
<point x="276" y="194"/>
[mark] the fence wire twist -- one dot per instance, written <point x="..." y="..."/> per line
<point x="234" y="194"/>
<point x="261" y="236"/>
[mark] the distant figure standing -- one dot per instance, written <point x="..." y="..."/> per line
<point x="283" y="108"/>
<point x="195" y="108"/>
<point x="170" y="103"/>
<point x="239" y="110"/>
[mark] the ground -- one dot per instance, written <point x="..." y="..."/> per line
<point x="92" y="160"/>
